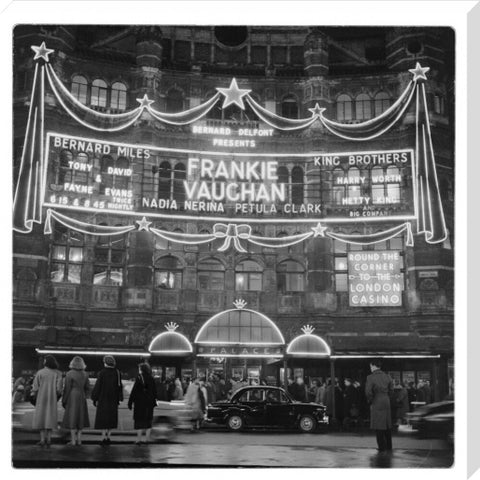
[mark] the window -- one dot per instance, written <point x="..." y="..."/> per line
<point x="107" y="178"/>
<point x="179" y="176"/>
<point x="66" y="255"/>
<point x="65" y="173"/>
<point x="118" y="98"/>
<point x="168" y="273"/>
<point x="382" y="103"/>
<point x="344" y="108"/>
<point x="98" y="96"/>
<point x="174" y="103"/>
<point x="438" y="104"/>
<point x="353" y="189"/>
<point x="109" y="260"/>
<point x="164" y="177"/>
<point x="290" y="277"/>
<point x="253" y="395"/>
<point x="297" y="185"/>
<point x="282" y="174"/>
<point x="122" y="181"/>
<point x="289" y="107"/>
<point x="248" y="276"/>
<point x="80" y="88"/>
<point x="211" y="275"/>
<point x="363" y="107"/>
<point x="338" y="189"/>
<point x="386" y="185"/>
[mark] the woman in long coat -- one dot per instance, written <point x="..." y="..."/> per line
<point x="46" y="388"/>
<point x="194" y="402"/>
<point x="143" y="398"/>
<point x="106" y="396"/>
<point x="378" y="390"/>
<point x="178" y="392"/>
<point x="74" y="400"/>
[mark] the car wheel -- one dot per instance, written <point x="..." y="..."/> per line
<point x="307" y="424"/>
<point x="235" y="423"/>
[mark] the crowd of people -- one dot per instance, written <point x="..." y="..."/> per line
<point x="347" y="403"/>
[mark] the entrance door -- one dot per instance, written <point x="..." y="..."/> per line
<point x="278" y="409"/>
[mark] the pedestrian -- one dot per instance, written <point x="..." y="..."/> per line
<point x="378" y="391"/>
<point x="194" y="402"/>
<point x="178" y="392"/>
<point x="428" y="391"/>
<point x="299" y="390"/>
<point x="400" y="402"/>
<point x="161" y="389"/>
<point x="350" y="403"/>
<point x="106" y="396"/>
<point x="143" y="399"/>
<point x="74" y="400"/>
<point x="412" y="395"/>
<point x="46" y="391"/>
<point x="18" y="395"/>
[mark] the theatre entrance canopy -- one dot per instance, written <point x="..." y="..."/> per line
<point x="170" y="343"/>
<point x="308" y="345"/>
<point x="241" y="333"/>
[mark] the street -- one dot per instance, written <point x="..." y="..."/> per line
<point x="218" y="448"/>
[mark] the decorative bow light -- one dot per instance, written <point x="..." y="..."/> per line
<point x="232" y="232"/>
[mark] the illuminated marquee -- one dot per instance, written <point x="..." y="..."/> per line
<point x="375" y="278"/>
<point x="96" y="175"/>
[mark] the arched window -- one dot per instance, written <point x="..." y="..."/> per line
<point x="65" y="173"/>
<point x="109" y="260"/>
<point x="290" y="277"/>
<point x="118" y="98"/>
<point x="382" y="102"/>
<point x="164" y="179"/>
<point x="121" y="179"/>
<point x="353" y="188"/>
<point x="248" y="276"/>
<point x="297" y="185"/>
<point x="179" y="176"/>
<point x="79" y="88"/>
<point x="174" y="103"/>
<point x="168" y="273"/>
<point x="282" y="179"/>
<point x="338" y="187"/>
<point x="289" y="107"/>
<point x="66" y="256"/>
<point x="344" y="108"/>
<point x="378" y="185"/>
<point x="363" y="107"/>
<point x="98" y="96"/>
<point x="106" y="162"/>
<point x="211" y="275"/>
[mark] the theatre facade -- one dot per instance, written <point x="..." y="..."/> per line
<point x="262" y="202"/>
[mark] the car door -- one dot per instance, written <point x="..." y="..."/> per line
<point x="252" y="401"/>
<point x="279" y="410"/>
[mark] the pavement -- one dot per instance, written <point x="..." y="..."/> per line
<point x="215" y="447"/>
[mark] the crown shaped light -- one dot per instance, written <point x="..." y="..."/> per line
<point x="171" y="326"/>
<point x="308" y="329"/>
<point x="240" y="303"/>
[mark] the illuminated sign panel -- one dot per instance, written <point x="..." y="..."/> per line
<point x="95" y="175"/>
<point x="375" y="278"/>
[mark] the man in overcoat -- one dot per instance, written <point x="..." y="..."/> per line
<point x="378" y="389"/>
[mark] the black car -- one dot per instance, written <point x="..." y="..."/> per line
<point x="263" y="406"/>
<point x="434" y="419"/>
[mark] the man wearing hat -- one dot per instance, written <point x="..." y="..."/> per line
<point x="106" y="396"/>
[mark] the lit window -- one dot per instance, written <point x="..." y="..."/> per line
<point x="338" y="188"/>
<point x="211" y="275"/>
<point x="363" y="107"/>
<point x="248" y="276"/>
<point x="354" y="187"/>
<point x="106" y="163"/>
<point x="118" y="98"/>
<point x="290" y="277"/>
<point x="289" y="107"/>
<point x="382" y="103"/>
<point x="80" y="88"/>
<point x="344" y="108"/>
<point x="66" y="256"/>
<point x="98" y="96"/>
<point x="109" y="260"/>
<point x="168" y="273"/>
<point x="122" y="181"/>
<point x="438" y="104"/>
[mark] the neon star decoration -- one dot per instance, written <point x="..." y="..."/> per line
<point x="143" y="224"/>
<point x="240" y="304"/>
<point x="145" y="102"/>
<point x="317" y="111"/>
<point x="419" y="72"/>
<point x="41" y="52"/>
<point x="233" y="95"/>
<point x="318" y="231"/>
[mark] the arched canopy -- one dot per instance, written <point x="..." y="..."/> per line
<point x="170" y="343"/>
<point x="240" y="326"/>
<point x="308" y="345"/>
